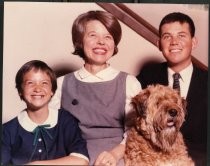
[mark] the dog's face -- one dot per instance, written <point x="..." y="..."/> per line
<point x="160" y="114"/>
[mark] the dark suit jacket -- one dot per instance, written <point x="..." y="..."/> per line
<point x="194" y="129"/>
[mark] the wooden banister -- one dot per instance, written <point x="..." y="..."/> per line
<point x="132" y="20"/>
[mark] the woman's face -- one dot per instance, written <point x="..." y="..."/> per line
<point x="37" y="90"/>
<point x="98" y="43"/>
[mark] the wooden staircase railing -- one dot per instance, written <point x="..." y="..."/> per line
<point x="138" y="24"/>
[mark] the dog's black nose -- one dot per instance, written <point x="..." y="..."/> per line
<point x="172" y="112"/>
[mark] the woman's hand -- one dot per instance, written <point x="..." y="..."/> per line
<point x="106" y="159"/>
<point x="111" y="158"/>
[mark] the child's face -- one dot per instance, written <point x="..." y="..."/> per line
<point x="37" y="90"/>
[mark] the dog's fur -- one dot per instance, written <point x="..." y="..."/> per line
<point x="155" y="139"/>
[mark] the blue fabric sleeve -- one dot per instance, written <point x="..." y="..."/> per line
<point x="8" y="132"/>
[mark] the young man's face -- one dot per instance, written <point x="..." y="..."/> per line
<point x="176" y="44"/>
<point x="37" y="90"/>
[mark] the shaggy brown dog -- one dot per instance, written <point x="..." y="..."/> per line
<point x="155" y="140"/>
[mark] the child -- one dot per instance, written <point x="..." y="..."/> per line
<point x="39" y="135"/>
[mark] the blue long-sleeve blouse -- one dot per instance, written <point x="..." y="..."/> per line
<point x="23" y="142"/>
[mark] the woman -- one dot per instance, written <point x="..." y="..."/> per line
<point x="97" y="94"/>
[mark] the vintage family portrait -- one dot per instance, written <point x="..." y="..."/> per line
<point x="108" y="84"/>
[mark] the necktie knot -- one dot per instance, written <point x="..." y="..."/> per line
<point x="176" y="84"/>
<point x="176" y="76"/>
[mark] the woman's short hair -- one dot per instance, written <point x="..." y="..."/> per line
<point x="35" y="65"/>
<point x="78" y="29"/>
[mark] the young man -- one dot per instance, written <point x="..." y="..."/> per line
<point x="176" y="42"/>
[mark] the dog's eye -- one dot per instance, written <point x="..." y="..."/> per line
<point x="141" y="110"/>
<point x="157" y="104"/>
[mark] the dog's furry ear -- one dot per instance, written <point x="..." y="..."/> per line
<point x="139" y="102"/>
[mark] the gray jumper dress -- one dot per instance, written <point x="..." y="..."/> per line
<point x="100" y="110"/>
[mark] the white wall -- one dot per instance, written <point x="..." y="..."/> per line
<point x="42" y="30"/>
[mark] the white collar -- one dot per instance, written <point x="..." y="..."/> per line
<point x="29" y="125"/>
<point x="185" y="73"/>
<point x="105" y="74"/>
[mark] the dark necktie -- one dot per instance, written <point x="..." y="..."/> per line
<point x="176" y="84"/>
